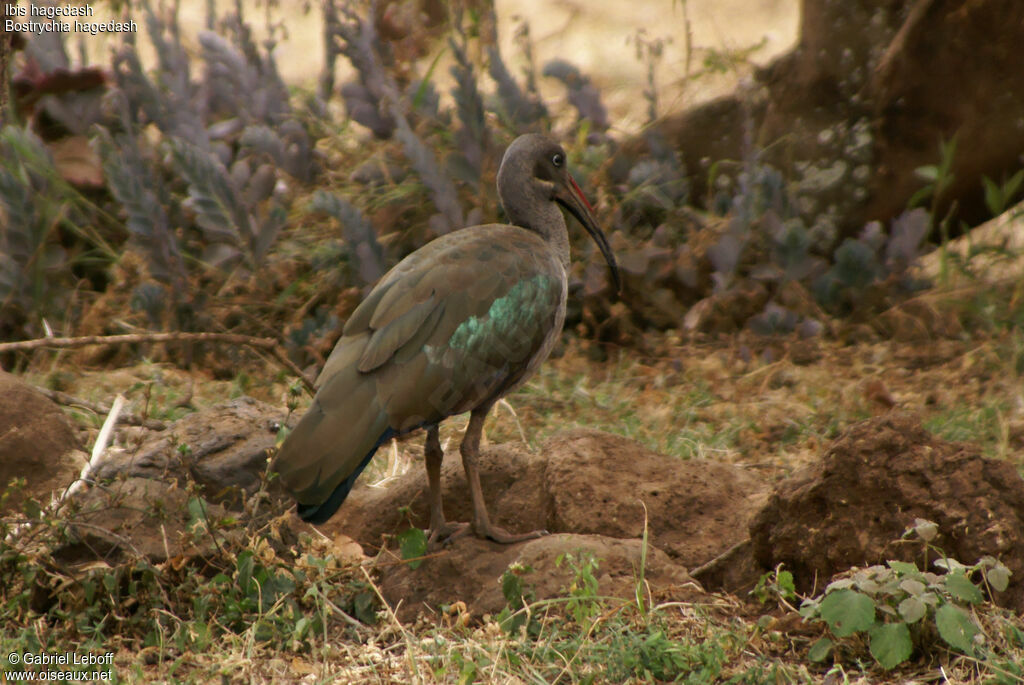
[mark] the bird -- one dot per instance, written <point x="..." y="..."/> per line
<point x="452" y="328"/>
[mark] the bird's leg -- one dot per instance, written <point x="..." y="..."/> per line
<point x="440" y="530"/>
<point x="470" y="454"/>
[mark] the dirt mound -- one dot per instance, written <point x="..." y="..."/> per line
<point x="224" y="449"/>
<point x="37" y="443"/>
<point x="470" y="570"/>
<point x="510" y="476"/>
<point x="581" y="481"/>
<point x="590" y="489"/>
<point x="600" y="483"/>
<point x="138" y="517"/>
<point x="850" y="508"/>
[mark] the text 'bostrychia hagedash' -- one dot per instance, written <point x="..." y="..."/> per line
<point x="453" y="327"/>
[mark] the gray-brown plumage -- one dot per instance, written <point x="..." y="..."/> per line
<point x="451" y="328"/>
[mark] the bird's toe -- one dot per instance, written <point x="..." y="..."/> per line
<point x="504" y="537"/>
<point x="444" y="534"/>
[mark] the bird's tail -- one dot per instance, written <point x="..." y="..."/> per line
<point x="323" y="456"/>
<point x="319" y="513"/>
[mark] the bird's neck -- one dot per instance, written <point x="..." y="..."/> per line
<point x="547" y="221"/>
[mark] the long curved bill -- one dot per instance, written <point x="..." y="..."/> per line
<point x="573" y="200"/>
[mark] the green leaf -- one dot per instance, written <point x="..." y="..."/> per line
<point x="912" y="609"/>
<point x="947" y="152"/>
<point x="890" y="644"/>
<point x="364" y="606"/>
<point x="956" y="628"/>
<point x="413" y="543"/>
<point x="961" y="587"/>
<point x="196" y="507"/>
<point x="867" y="585"/>
<point x="32" y="510"/>
<point x="949" y="564"/>
<point x="929" y="172"/>
<point x="847" y="612"/>
<point x="810" y="608"/>
<point x="912" y="586"/>
<point x="925" y="529"/>
<point x="841" y="584"/>
<point x="888" y="610"/>
<point x="787" y="587"/>
<point x="301" y="628"/>
<point x="244" y="566"/>
<point x="1011" y="187"/>
<point x="993" y="196"/>
<point x="820" y="650"/>
<point x="904" y="568"/>
<point x="998" y="577"/>
<point x="196" y="510"/>
<point x="513" y="588"/>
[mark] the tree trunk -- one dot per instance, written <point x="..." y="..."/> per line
<point x="864" y="99"/>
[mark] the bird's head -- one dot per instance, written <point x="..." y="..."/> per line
<point x="534" y="172"/>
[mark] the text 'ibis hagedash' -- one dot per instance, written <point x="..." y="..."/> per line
<point x="453" y="327"/>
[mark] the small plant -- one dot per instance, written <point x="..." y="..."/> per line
<point x="413" y="543"/>
<point x="898" y="607"/>
<point x="582" y="591"/>
<point x="776" y="584"/>
<point x="937" y="177"/>
<point x="999" y="196"/>
<point x="519" y="595"/>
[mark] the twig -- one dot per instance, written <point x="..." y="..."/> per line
<point x="522" y="434"/>
<point x="103" y="439"/>
<point x="267" y="344"/>
<point x="98" y="449"/>
<point x="70" y="400"/>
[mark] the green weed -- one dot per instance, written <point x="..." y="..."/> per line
<point x="898" y="608"/>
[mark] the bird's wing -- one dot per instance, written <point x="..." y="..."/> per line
<point x="458" y="321"/>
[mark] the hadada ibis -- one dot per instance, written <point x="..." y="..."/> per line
<point x="452" y="328"/>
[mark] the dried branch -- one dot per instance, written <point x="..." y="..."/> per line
<point x="266" y="344"/>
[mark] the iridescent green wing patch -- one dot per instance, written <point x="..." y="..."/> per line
<point x="512" y="320"/>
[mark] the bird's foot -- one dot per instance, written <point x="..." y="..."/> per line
<point x="500" y="535"/>
<point x="446" y="533"/>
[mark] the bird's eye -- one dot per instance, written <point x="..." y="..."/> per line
<point x="557" y="159"/>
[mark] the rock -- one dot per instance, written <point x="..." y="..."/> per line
<point x="224" y="449"/>
<point x="850" y="508"/>
<point x="37" y="443"/>
<point x="470" y="570"/>
<point x="582" y="481"/>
